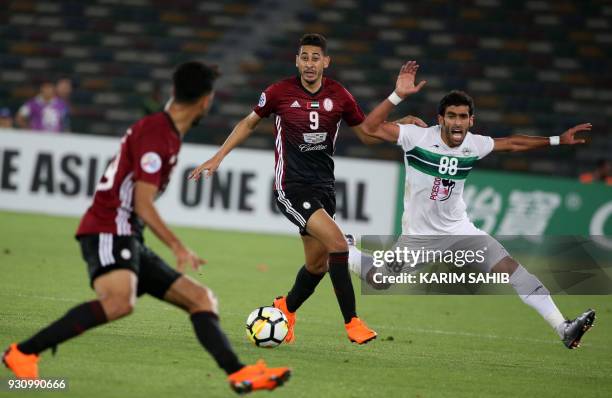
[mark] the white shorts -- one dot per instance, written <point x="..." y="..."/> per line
<point x="467" y="246"/>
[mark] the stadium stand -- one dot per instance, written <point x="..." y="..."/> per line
<point x="535" y="67"/>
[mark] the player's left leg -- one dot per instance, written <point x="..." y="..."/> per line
<point x="165" y="283"/>
<point x="323" y="228"/>
<point x="533" y="293"/>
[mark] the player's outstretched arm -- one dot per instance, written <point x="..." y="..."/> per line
<point x="520" y="143"/>
<point x="241" y="132"/>
<point x="144" y="195"/>
<point x="375" y="124"/>
<point x="409" y="119"/>
<point x="370" y="140"/>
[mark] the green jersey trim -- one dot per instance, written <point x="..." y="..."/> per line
<point x="438" y="165"/>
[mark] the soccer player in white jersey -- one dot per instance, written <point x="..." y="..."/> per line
<point x="438" y="159"/>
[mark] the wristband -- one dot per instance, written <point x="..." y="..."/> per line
<point x="394" y="98"/>
<point x="554" y="140"/>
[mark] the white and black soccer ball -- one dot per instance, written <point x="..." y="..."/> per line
<point x="267" y="327"/>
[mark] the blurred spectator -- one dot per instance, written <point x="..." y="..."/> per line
<point x="6" y="118"/>
<point x="63" y="89"/>
<point x="602" y="173"/>
<point x="45" y="112"/>
<point x="153" y="103"/>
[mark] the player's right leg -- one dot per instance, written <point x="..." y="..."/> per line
<point x="306" y="281"/>
<point x="362" y="265"/>
<point x="116" y="292"/>
<point x="115" y="286"/>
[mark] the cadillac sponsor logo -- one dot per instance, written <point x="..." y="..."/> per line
<point x="312" y="147"/>
<point x="314" y="138"/>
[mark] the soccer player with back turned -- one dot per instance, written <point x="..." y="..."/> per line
<point x="120" y="266"/>
<point x="308" y="110"/>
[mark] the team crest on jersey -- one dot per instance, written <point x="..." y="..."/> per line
<point x="262" y="100"/>
<point x="314" y="138"/>
<point x="150" y="162"/>
<point x="442" y="189"/>
<point x="328" y="104"/>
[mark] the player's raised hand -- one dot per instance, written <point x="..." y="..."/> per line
<point x="569" y="136"/>
<point x="210" y="166"/>
<point x="405" y="84"/>
<point x="411" y="120"/>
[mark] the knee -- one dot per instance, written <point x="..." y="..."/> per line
<point x="338" y="245"/>
<point x="203" y="299"/>
<point x="507" y="265"/>
<point x="319" y="267"/>
<point x="116" y="308"/>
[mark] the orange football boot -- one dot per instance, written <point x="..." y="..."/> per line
<point x="258" y="377"/>
<point x="24" y="366"/>
<point x="358" y="332"/>
<point x="281" y="304"/>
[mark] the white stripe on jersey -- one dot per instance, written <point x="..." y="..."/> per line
<point x="434" y="164"/>
<point x="279" y="163"/>
<point x="279" y="176"/>
<point x="105" y="249"/>
<point x="124" y="210"/>
<point x="336" y="136"/>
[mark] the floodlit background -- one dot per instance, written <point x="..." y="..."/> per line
<point x="536" y="67"/>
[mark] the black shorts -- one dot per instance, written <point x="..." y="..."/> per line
<point x="107" y="252"/>
<point x="298" y="204"/>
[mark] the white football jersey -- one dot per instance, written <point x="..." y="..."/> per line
<point x="435" y="176"/>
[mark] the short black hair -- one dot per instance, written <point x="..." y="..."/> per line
<point x="192" y="80"/>
<point x="314" y="39"/>
<point x="456" y="98"/>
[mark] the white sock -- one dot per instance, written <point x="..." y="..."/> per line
<point x="359" y="263"/>
<point x="535" y="295"/>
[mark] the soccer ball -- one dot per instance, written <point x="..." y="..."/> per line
<point x="266" y="327"/>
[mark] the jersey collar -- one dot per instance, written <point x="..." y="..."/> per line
<point x="299" y="82"/>
<point x="178" y="134"/>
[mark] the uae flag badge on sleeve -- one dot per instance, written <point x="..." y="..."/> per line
<point x="312" y="105"/>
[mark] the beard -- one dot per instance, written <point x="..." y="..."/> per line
<point x="197" y="120"/>
<point x="448" y="132"/>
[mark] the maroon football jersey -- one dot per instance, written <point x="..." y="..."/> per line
<point x="148" y="153"/>
<point x="306" y="129"/>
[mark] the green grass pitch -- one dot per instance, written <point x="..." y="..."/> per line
<point x="428" y="346"/>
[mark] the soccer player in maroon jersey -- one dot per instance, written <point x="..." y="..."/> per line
<point x="120" y="266"/>
<point x="308" y="110"/>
